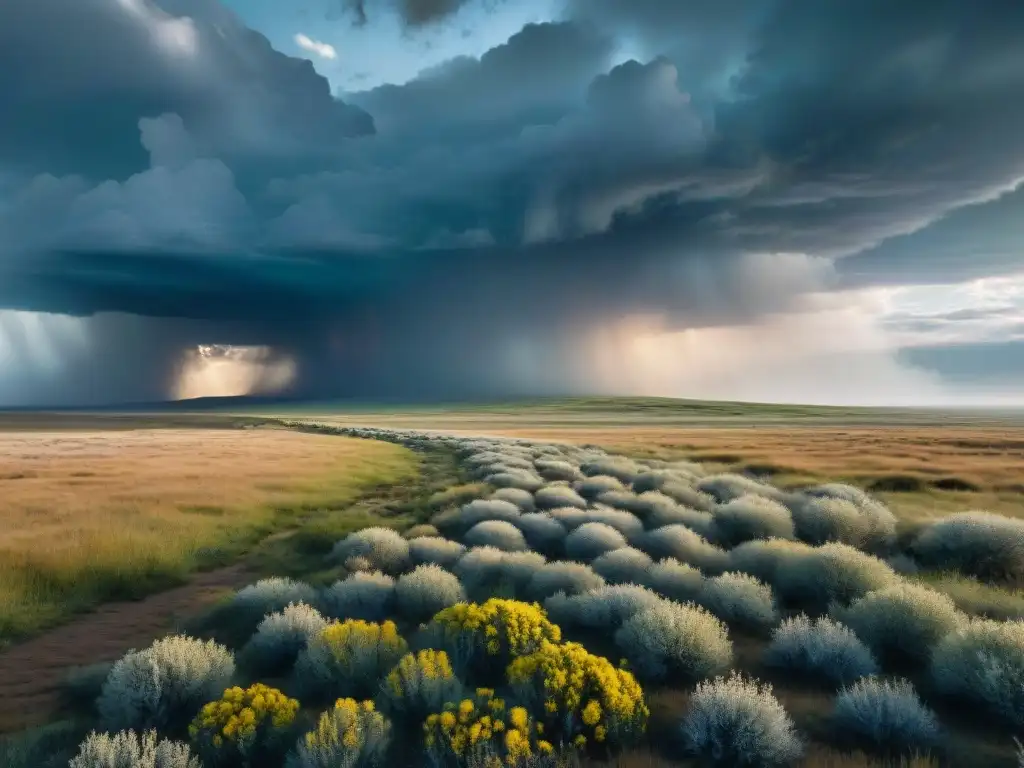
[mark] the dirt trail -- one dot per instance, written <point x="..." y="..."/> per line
<point x="32" y="672"/>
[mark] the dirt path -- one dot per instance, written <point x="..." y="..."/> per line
<point x="32" y="672"/>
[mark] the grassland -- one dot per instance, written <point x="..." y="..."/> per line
<point x="90" y="515"/>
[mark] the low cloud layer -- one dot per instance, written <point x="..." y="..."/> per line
<point x="178" y="182"/>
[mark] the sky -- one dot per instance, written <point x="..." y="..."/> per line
<point x="811" y="201"/>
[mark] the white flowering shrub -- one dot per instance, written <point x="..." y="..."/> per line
<point x="365" y="595"/>
<point x="887" y="714"/>
<point x="348" y="658"/>
<point x="255" y="601"/>
<point x="832" y="573"/>
<point x="736" y="721"/>
<point x="750" y="517"/>
<point x="981" y="544"/>
<point x="902" y="623"/>
<point x="487" y="572"/>
<point x="983" y="662"/>
<point x="280" y="637"/>
<point x="349" y="735"/>
<point x="543" y="533"/>
<point x="383" y="548"/>
<point x="481" y="510"/>
<point x="680" y="543"/>
<point x="675" y="580"/>
<point x="592" y="540"/>
<point x="738" y="598"/>
<point x="556" y="496"/>
<point x="562" y="576"/>
<point x="496" y="533"/>
<point x="605" y="608"/>
<point x="727" y="486"/>
<point x="519" y="497"/>
<point x="672" y="640"/>
<point x="425" y="591"/>
<point x="163" y="685"/>
<point x="623" y="566"/>
<point x="128" y="749"/>
<point x="435" y="549"/>
<point x="557" y="469"/>
<point x="593" y="487"/>
<point x="820" y="648"/>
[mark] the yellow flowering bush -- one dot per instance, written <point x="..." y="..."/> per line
<point x="244" y="726"/>
<point x="419" y="684"/>
<point x="584" y="699"/>
<point x="485" y="637"/>
<point x="482" y="731"/>
<point x="349" y="658"/>
<point x="351" y="734"/>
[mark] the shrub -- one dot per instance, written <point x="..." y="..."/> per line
<point x="163" y="685"/>
<point x="479" y="732"/>
<point x="554" y="469"/>
<point x="680" y="543"/>
<point x="877" y="525"/>
<point x="675" y="580"/>
<point x="485" y="637"/>
<point x="726" y="487"/>
<point x="763" y="558"/>
<point x="562" y="576"/>
<point x="980" y="544"/>
<point x="819" y="520"/>
<point x="250" y="604"/>
<point x="688" y="496"/>
<point x="662" y="515"/>
<point x="983" y="662"/>
<point x="349" y="657"/>
<point x="623" y="470"/>
<point x="623" y="566"/>
<point x="519" y="497"/>
<point x="383" y="548"/>
<point x="245" y="727"/>
<point x="627" y="524"/>
<point x="425" y="591"/>
<point x="496" y="533"/>
<point x="555" y="496"/>
<point x="592" y="540"/>
<point x="367" y="596"/>
<point x="655" y="479"/>
<point x="738" y="722"/>
<point x="673" y="639"/>
<point x="521" y="479"/>
<point x="820" y="647"/>
<point x="488" y="572"/>
<point x="129" y="750"/>
<point x="421" y="531"/>
<point x="584" y="698"/>
<point x="888" y="714"/>
<point x="602" y="609"/>
<point x="421" y="683"/>
<point x="752" y="517"/>
<point x="739" y="598"/>
<point x="902" y="622"/>
<point x="280" y="638"/>
<point x="436" y="550"/>
<point x="482" y="510"/>
<point x="623" y="500"/>
<point x="542" y="531"/>
<point x="349" y="735"/>
<point x="593" y="487"/>
<point x="831" y="573"/>
<point x="569" y="518"/>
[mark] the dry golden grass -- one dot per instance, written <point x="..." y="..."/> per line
<point x="93" y="515"/>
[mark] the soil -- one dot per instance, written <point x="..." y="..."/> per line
<point x="32" y="672"/>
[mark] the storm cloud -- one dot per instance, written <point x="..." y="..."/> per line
<point x="177" y="182"/>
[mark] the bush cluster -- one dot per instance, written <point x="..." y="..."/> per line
<point x="821" y="648"/>
<point x="245" y="726"/>
<point x="280" y="638"/>
<point x="419" y="684"/>
<point x="980" y="544"/>
<point x="126" y="749"/>
<point x="382" y="548"/>
<point x="351" y="734"/>
<point x="367" y="596"/>
<point x="425" y="591"/>
<point x="349" y="659"/>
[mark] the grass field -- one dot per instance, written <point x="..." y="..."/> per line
<point x="91" y="515"/>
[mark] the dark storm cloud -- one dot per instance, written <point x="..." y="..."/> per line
<point x="466" y="229"/>
<point x="414" y="13"/>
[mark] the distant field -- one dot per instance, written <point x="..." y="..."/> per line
<point x="96" y="514"/>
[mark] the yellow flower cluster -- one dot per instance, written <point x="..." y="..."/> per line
<point x="239" y="714"/>
<point x="419" y="684"/>
<point x="585" y="697"/>
<point x="346" y="640"/>
<point x="502" y="628"/>
<point x="351" y="733"/>
<point x="408" y="675"/>
<point x="479" y="731"/>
